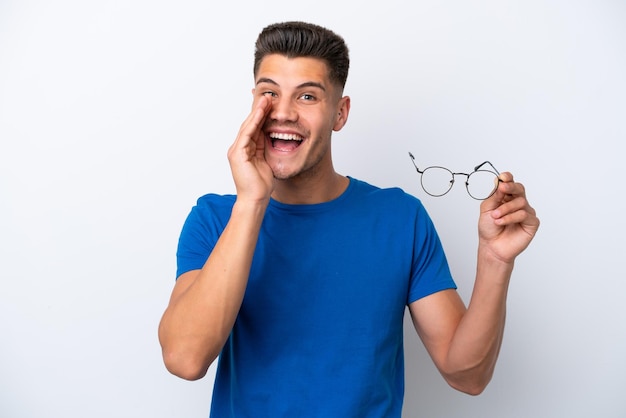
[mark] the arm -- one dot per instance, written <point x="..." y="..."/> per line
<point x="464" y="343"/>
<point x="204" y="303"/>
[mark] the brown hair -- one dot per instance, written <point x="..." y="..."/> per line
<point x="301" y="39"/>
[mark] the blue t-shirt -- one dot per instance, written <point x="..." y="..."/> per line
<point x="320" y="330"/>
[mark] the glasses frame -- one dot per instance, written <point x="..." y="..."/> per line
<point x="452" y="178"/>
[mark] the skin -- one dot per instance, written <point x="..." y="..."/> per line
<point x="295" y="97"/>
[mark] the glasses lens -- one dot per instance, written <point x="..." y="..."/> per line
<point x="437" y="181"/>
<point x="481" y="184"/>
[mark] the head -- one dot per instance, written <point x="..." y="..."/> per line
<point x="300" y="39"/>
<point x="301" y="70"/>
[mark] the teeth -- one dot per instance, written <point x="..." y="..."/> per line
<point x="285" y="137"/>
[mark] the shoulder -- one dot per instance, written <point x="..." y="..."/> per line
<point x="213" y="199"/>
<point x="215" y="202"/>
<point x="389" y="197"/>
<point x="212" y="208"/>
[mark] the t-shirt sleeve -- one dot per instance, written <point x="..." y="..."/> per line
<point x="200" y="232"/>
<point x="430" y="271"/>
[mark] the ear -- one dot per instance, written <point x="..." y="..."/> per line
<point x="342" y="113"/>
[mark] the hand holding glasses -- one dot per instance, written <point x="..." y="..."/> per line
<point x="480" y="183"/>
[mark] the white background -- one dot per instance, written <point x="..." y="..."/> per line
<point x="115" y="116"/>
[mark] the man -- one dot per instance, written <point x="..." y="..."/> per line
<point x="299" y="282"/>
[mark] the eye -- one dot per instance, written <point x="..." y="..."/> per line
<point x="269" y="93"/>
<point x="308" y="97"/>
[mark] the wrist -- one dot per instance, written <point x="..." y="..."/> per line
<point x="250" y="206"/>
<point x="496" y="266"/>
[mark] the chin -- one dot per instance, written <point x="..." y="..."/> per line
<point x="281" y="170"/>
<point x="282" y="175"/>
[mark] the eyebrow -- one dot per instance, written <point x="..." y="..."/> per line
<point x="305" y="84"/>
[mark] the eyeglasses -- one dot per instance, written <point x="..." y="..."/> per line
<point x="437" y="181"/>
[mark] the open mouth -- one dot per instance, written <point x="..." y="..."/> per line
<point x="285" y="142"/>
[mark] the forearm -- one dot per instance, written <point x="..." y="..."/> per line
<point x="465" y="342"/>
<point x="477" y="340"/>
<point x="202" y="312"/>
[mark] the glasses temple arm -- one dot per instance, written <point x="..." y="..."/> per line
<point x="487" y="162"/>
<point x="413" y="161"/>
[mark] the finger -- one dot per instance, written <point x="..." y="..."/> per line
<point x="502" y="194"/>
<point x="526" y="219"/>
<point x="509" y="197"/>
<point x="248" y="138"/>
<point x="252" y="125"/>
<point x="505" y="177"/>
<point x="508" y="189"/>
<point x="515" y="204"/>
<point x="516" y="217"/>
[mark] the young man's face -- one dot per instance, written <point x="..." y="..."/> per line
<point x="306" y="108"/>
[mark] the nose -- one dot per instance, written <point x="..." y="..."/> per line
<point x="283" y="110"/>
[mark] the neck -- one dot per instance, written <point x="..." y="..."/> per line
<point x="308" y="191"/>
